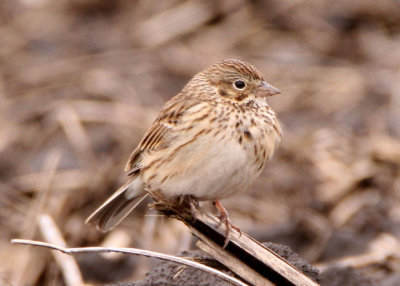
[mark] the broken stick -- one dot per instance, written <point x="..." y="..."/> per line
<point x="243" y="255"/>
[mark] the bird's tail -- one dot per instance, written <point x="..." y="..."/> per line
<point x="118" y="206"/>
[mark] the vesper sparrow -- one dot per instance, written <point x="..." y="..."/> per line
<point x="209" y="142"/>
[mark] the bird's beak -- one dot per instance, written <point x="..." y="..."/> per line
<point x="265" y="89"/>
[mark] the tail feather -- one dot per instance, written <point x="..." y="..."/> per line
<point x="118" y="206"/>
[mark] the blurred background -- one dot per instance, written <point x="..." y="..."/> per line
<point x="81" y="81"/>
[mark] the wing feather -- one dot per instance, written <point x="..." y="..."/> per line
<point x="157" y="136"/>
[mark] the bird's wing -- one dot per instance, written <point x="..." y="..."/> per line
<point x="156" y="137"/>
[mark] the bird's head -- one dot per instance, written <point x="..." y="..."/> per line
<point x="236" y="80"/>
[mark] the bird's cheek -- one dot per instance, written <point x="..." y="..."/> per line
<point x="241" y="96"/>
<point x="222" y="92"/>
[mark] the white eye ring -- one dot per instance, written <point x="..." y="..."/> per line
<point x="239" y="84"/>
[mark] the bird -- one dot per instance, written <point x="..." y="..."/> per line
<point x="209" y="142"/>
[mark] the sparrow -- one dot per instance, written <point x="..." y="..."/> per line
<point x="209" y="142"/>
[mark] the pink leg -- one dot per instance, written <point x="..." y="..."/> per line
<point x="224" y="218"/>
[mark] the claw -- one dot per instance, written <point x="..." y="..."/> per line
<point x="224" y="218"/>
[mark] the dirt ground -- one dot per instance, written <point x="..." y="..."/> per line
<point x="81" y="81"/>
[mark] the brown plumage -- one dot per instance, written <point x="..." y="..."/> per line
<point x="210" y="141"/>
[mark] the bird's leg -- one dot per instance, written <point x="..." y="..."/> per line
<point x="224" y="218"/>
<point x="195" y="202"/>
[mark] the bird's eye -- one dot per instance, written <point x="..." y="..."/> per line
<point x="239" y="84"/>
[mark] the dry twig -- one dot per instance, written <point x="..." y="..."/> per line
<point x="134" y="251"/>
<point x="243" y="255"/>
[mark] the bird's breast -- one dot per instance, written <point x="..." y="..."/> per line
<point x="259" y="133"/>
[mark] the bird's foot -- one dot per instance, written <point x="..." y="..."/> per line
<point x="224" y="218"/>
